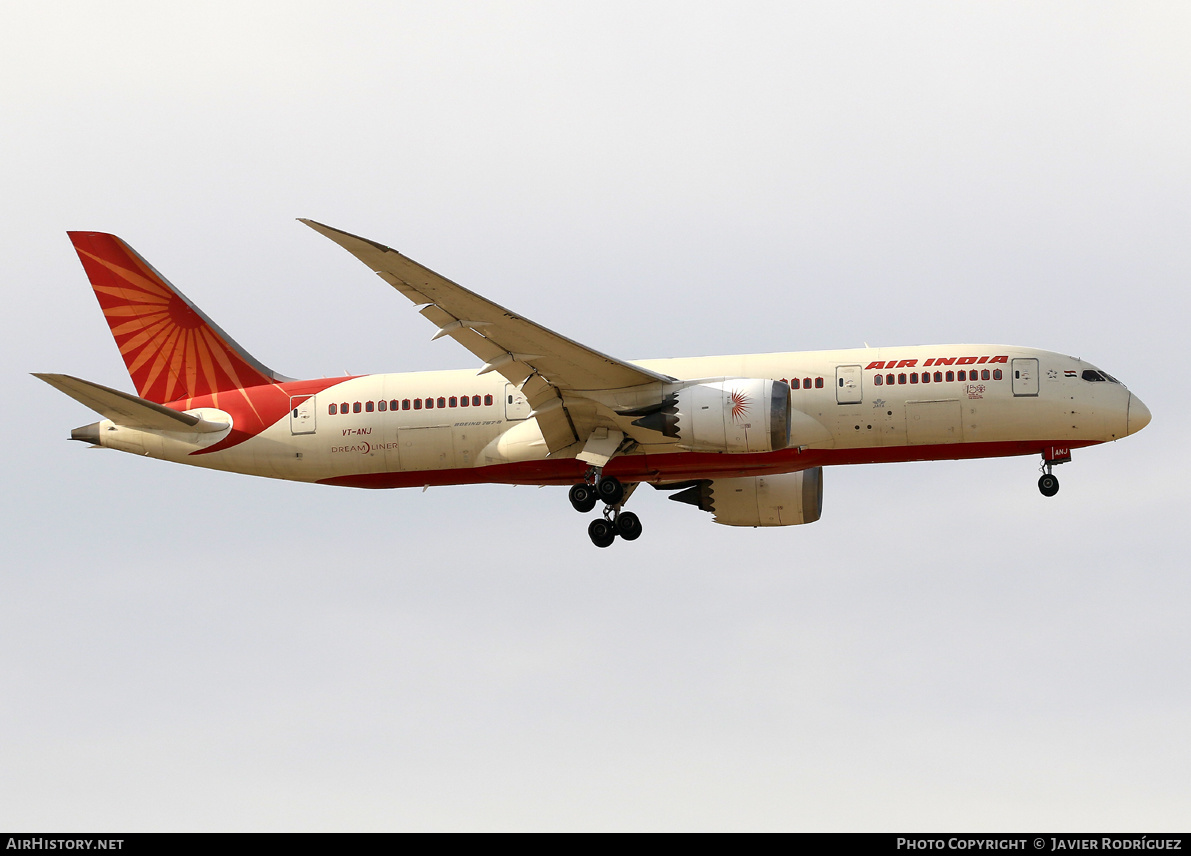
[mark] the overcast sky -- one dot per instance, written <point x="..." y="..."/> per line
<point x="944" y="650"/>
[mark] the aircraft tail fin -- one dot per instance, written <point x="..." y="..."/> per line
<point x="172" y="350"/>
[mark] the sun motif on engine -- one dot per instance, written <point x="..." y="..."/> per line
<point x="740" y="405"/>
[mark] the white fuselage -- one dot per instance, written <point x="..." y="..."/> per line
<point x="850" y="406"/>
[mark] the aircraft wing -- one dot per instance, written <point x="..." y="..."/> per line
<point x="547" y="364"/>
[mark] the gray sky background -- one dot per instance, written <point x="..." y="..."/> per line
<point x="944" y="650"/>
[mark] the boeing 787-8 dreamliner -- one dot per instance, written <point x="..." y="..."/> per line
<point x="745" y="437"/>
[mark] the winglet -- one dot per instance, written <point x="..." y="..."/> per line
<point x="375" y="255"/>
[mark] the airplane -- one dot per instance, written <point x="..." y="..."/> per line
<point x="745" y="437"/>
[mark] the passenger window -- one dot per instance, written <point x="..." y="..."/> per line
<point x="382" y="406"/>
<point x="901" y="378"/>
<point x="404" y="404"/>
<point x="889" y="379"/>
<point x="442" y="402"/>
<point x="997" y="374"/>
<point x="795" y="383"/>
<point x="343" y="407"/>
<point x="985" y="374"/>
<point x="369" y="406"/>
<point x="806" y="383"/>
<point x="963" y="375"/>
<point x="429" y="403"/>
<point x="818" y="383"/>
<point x="356" y="407"/>
<point x="938" y="377"/>
<point x="475" y="401"/>
<point x="950" y="376"/>
<point x="926" y="377"/>
<point x="453" y="401"/>
<point x="331" y="409"/>
<point x="417" y="404"/>
<point x="913" y="377"/>
<point x="464" y="401"/>
<point x="877" y="380"/>
<point x="488" y="400"/>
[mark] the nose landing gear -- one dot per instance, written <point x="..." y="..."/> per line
<point x="1048" y="484"/>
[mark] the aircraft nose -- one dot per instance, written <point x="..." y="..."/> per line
<point x="1139" y="415"/>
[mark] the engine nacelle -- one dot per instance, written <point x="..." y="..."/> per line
<point x="787" y="499"/>
<point x="725" y="415"/>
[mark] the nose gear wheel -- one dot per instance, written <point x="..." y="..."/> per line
<point x="1048" y="484"/>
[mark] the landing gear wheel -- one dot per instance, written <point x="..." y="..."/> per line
<point x="610" y="490"/>
<point x="601" y="532"/>
<point x="628" y="526"/>
<point x="583" y="497"/>
<point x="1048" y="484"/>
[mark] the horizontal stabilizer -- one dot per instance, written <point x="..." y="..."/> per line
<point x="128" y="410"/>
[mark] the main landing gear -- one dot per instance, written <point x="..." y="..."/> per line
<point x="615" y="521"/>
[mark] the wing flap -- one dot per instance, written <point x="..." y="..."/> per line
<point x="554" y="420"/>
<point x="449" y="325"/>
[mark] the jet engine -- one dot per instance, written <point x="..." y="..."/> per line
<point x="786" y="499"/>
<point x="723" y="415"/>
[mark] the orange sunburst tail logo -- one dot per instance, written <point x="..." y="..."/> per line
<point x="172" y="350"/>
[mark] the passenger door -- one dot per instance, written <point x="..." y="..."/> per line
<point x="1025" y="377"/>
<point x="847" y="385"/>
<point x="301" y="414"/>
<point x="516" y="404"/>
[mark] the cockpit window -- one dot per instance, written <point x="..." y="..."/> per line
<point x="1093" y="375"/>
